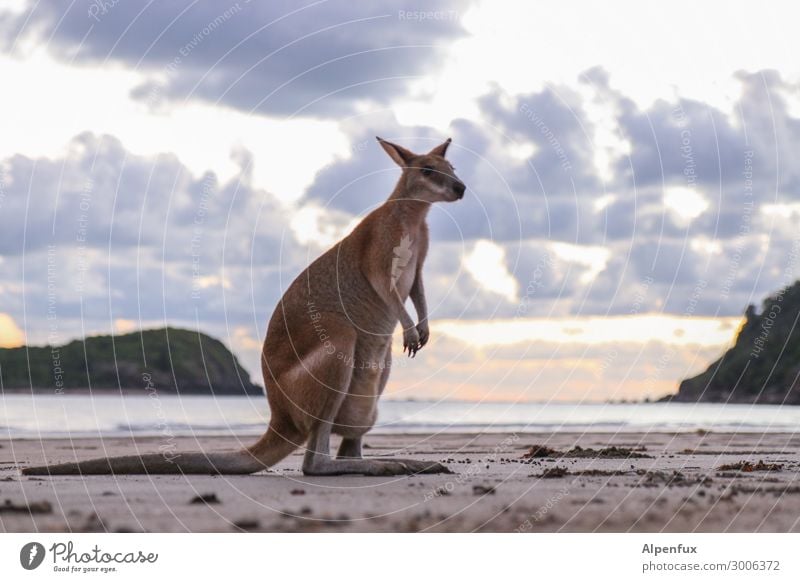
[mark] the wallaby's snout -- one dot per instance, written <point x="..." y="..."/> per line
<point x="459" y="188"/>
<point x="427" y="177"/>
<point x="453" y="187"/>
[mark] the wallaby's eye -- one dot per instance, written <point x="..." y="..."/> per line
<point x="427" y="171"/>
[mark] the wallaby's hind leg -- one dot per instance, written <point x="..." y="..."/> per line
<point x="349" y="449"/>
<point x="318" y="459"/>
<point x="355" y="417"/>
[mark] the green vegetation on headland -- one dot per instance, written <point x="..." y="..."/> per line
<point x="763" y="367"/>
<point x="167" y="360"/>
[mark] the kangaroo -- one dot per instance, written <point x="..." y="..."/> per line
<point x="327" y="353"/>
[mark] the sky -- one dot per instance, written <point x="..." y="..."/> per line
<point x="631" y="185"/>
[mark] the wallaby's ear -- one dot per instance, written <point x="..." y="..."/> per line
<point x="400" y="155"/>
<point x="441" y="149"/>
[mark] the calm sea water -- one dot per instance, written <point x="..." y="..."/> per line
<point x="55" y="416"/>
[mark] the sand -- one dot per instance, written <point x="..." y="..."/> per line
<point x="674" y="483"/>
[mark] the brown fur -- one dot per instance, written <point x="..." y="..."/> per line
<point x="327" y="354"/>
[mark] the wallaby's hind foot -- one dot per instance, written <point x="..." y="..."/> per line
<point x="421" y="467"/>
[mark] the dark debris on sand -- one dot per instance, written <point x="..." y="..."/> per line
<point x="207" y="498"/>
<point x="670" y="479"/>
<point x="553" y="473"/>
<point x="600" y="473"/>
<point x="748" y="467"/>
<point x="576" y="452"/>
<point x="33" y="507"/>
<point x="247" y="524"/>
<point x="483" y="490"/>
<point x="607" y="453"/>
<point x="540" y="452"/>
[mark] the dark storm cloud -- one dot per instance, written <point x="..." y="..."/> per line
<point x="553" y="121"/>
<point x="713" y="264"/>
<point x="94" y="196"/>
<point x="688" y="141"/>
<point x="730" y="158"/>
<point x="282" y="58"/>
<point x="102" y="234"/>
<point x="100" y="196"/>
<point x="144" y="208"/>
<point x="550" y="194"/>
<point x="364" y="180"/>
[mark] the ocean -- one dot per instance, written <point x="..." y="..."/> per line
<point x="26" y="416"/>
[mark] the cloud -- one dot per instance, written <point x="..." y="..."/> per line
<point x="486" y="263"/>
<point x="582" y="200"/>
<point x="102" y="237"/>
<point x="278" y="58"/>
<point x="554" y="123"/>
<point x="730" y="158"/>
<point x="143" y="239"/>
<point x="508" y="198"/>
<point x="101" y="196"/>
<point x="699" y="201"/>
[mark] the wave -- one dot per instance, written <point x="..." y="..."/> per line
<point x="26" y="416"/>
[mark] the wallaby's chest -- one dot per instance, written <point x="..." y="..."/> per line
<point x="403" y="268"/>
<point x="405" y="256"/>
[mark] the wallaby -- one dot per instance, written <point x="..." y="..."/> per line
<point x="327" y="354"/>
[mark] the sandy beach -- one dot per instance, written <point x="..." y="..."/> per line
<point x="642" y="482"/>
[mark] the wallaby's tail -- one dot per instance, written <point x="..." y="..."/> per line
<point x="239" y="462"/>
<point x="271" y="448"/>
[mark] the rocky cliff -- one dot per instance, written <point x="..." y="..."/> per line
<point x="167" y="360"/>
<point x="763" y="366"/>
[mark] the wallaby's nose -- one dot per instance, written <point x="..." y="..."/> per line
<point x="460" y="188"/>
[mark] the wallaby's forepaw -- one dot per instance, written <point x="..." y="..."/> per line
<point x="411" y="341"/>
<point x="424" y="333"/>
